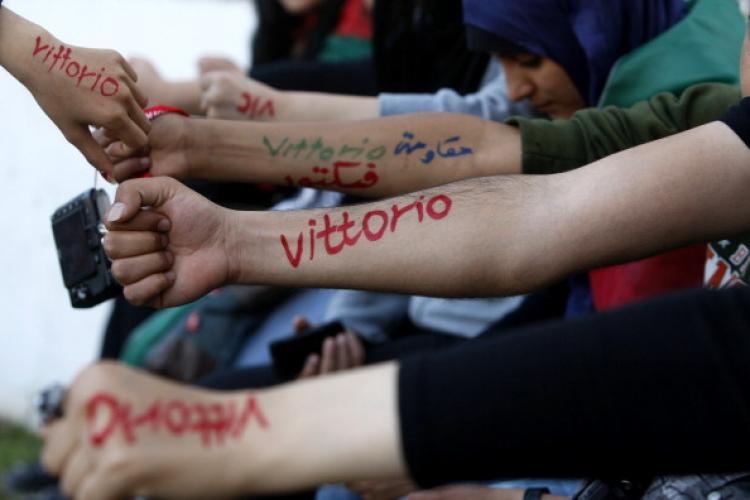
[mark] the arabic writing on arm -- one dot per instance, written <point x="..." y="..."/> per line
<point x="443" y="149"/>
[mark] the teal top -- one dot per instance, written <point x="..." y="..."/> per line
<point x="704" y="47"/>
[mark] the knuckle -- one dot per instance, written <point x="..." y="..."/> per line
<point x="124" y="95"/>
<point x="165" y="261"/>
<point x="110" y="246"/>
<point x="119" y="271"/>
<point x="162" y="281"/>
<point x="116" y="56"/>
<point x="132" y="296"/>
<point x="115" y="117"/>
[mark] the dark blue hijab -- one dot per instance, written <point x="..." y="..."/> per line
<point x="586" y="37"/>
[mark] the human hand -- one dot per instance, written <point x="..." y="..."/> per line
<point x="78" y="87"/>
<point x="341" y="352"/>
<point x="209" y="64"/>
<point x="126" y="434"/>
<point x="232" y="96"/>
<point x="167" y="243"/>
<point x="150" y="80"/>
<point x="170" y="140"/>
<point x="382" y="489"/>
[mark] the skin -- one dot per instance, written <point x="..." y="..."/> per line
<point x="544" y="82"/>
<point x="222" y="91"/>
<point x="471" y="252"/>
<point x="340" y="352"/>
<point x="652" y="210"/>
<point x="183" y="94"/>
<point x="541" y="80"/>
<point x="162" y="466"/>
<point x="73" y="109"/>
<point x="186" y="148"/>
<point x="209" y="244"/>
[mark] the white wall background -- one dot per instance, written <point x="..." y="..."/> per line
<point x="42" y="339"/>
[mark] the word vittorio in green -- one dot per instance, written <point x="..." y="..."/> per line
<point x="318" y="150"/>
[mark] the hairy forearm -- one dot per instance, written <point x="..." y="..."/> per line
<point x="366" y="158"/>
<point x="462" y="239"/>
<point x="508" y="235"/>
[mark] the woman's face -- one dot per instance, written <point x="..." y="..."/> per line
<point x="544" y="82"/>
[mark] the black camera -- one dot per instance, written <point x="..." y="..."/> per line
<point x="78" y="230"/>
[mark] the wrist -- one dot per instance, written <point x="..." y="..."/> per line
<point x="252" y="247"/>
<point x="195" y="142"/>
<point x="18" y="37"/>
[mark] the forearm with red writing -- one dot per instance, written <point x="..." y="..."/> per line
<point x="456" y="240"/>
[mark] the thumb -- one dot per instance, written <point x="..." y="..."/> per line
<point x="81" y="138"/>
<point x="135" y="194"/>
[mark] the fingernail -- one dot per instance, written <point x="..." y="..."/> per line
<point x="109" y="179"/>
<point x="115" y="212"/>
<point x="170" y="258"/>
<point x="145" y="162"/>
<point x="171" y="276"/>
<point x="164" y="225"/>
<point x="164" y="240"/>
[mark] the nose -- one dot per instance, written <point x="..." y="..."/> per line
<point x="519" y="84"/>
<point x="519" y="88"/>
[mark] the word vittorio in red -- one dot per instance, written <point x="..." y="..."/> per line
<point x="373" y="226"/>
<point x="74" y="69"/>
<point x="214" y="423"/>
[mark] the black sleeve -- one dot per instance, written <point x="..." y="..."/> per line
<point x="350" y="77"/>
<point x="659" y="388"/>
<point x="738" y="119"/>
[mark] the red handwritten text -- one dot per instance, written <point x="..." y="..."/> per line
<point x="214" y="423"/>
<point x="254" y="107"/>
<point x="343" y="175"/>
<point x="74" y="69"/>
<point x="373" y="226"/>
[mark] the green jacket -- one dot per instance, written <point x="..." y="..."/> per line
<point x="704" y="47"/>
<point x="560" y="145"/>
<point x="556" y="146"/>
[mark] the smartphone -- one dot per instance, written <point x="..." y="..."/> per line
<point x="290" y="354"/>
